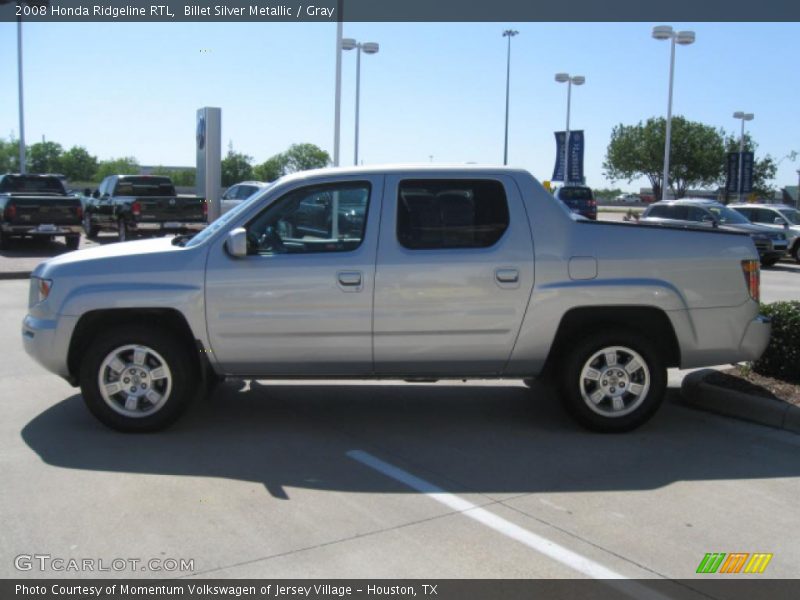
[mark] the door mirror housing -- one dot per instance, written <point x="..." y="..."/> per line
<point x="96" y="194"/>
<point x="780" y="221"/>
<point x="236" y="244"/>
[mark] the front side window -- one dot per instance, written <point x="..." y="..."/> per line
<point x="324" y="218"/>
<point x="458" y="213"/>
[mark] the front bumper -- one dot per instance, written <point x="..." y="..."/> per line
<point x="47" y="342"/>
<point x="755" y="338"/>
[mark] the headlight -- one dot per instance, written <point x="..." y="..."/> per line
<point x="40" y="289"/>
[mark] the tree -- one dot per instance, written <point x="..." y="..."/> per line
<point x="299" y="157"/>
<point x="236" y="167"/>
<point x="183" y="177"/>
<point x="9" y="156"/>
<point x="696" y="158"/>
<point x="78" y="165"/>
<point x="45" y="157"/>
<point x="764" y="170"/>
<point x="302" y="157"/>
<point x="271" y="169"/>
<point x="127" y="165"/>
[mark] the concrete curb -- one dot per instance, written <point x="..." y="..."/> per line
<point x="698" y="393"/>
<point x="15" y="275"/>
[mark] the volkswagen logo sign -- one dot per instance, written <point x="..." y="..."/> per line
<point x="201" y="132"/>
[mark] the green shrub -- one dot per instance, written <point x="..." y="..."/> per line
<point x="781" y="359"/>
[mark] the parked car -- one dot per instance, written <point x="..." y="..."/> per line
<point x="579" y="199"/>
<point x="38" y="206"/>
<point x="779" y="217"/>
<point x="136" y="204"/>
<point x="699" y="212"/>
<point x="463" y="272"/>
<point x="628" y="198"/>
<point x="238" y="193"/>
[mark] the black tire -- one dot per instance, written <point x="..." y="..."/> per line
<point x="4" y="241"/>
<point x="89" y="228"/>
<point x="769" y="262"/>
<point x="122" y="230"/>
<point x="73" y="241"/>
<point x="637" y="409"/>
<point x="181" y="366"/>
<point x="796" y="251"/>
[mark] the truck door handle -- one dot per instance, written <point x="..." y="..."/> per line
<point x="350" y="280"/>
<point x="507" y="275"/>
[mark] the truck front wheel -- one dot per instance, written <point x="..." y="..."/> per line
<point x="613" y="381"/>
<point x="137" y="379"/>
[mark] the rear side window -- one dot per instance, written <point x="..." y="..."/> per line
<point x="669" y="212"/>
<point x="31" y="184"/>
<point x="144" y="186"/>
<point x="458" y="213"/>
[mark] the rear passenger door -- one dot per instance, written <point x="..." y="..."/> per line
<point x="454" y="275"/>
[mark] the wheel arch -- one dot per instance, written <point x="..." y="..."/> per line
<point x="645" y="320"/>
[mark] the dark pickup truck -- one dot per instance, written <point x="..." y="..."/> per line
<point x="142" y="204"/>
<point x="38" y="206"/>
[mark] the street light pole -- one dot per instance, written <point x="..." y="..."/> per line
<point x="569" y="80"/>
<point x="743" y="116"/>
<point x="368" y="48"/>
<point x="337" y="119"/>
<point x="509" y="33"/>
<point x="22" y="166"/>
<point x="684" y="38"/>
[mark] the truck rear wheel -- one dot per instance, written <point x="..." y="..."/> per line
<point x="137" y="379"/>
<point x="73" y="241"/>
<point x="122" y="228"/>
<point x="89" y="229"/>
<point x="613" y="381"/>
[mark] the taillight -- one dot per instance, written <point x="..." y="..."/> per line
<point x="79" y="212"/>
<point x="205" y="209"/>
<point x="136" y="208"/>
<point x="10" y="212"/>
<point x="752" y="276"/>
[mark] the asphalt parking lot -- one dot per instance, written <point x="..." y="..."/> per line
<point x="487" y="479"/>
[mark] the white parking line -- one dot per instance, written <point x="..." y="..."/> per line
<point x="559" y="553"/>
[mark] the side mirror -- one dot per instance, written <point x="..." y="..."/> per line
<point x="87" y="192"/>
<point x="780" y="221"/>
<point x="96" y="194"/>
<point x="236" y="244"/>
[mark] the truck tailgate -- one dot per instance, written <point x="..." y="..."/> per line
<point x="33" y="210"/>
<point x="173" y="208"/>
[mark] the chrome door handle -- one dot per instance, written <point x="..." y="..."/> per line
<point x="507" y="275"/>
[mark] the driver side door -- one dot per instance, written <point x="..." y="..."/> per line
<point x="300" y="302"/>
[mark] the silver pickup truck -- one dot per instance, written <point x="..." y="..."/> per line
<point x="403" y="273"/>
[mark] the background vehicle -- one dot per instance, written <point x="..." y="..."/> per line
<point x="238" y="193"/>
<point x="441" y="273"/>
<point x="779" y="217"/>
<point x="135" y="204"/>
<point x="698" y="212"/>
<point x="38" y="206"/>
<point x="628" y="198"/>
<point x="579" y="199"/>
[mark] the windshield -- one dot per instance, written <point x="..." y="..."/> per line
<point x="221" y="222"/>
<point x="791" y="214"/>
<point x="726" y="215"/>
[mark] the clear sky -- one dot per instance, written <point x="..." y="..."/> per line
<point x="434" y="89"/>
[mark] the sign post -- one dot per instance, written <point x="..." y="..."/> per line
<point x="208" y="180"/>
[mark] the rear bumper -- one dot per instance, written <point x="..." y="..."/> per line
<point x="34" y="230"/>
<point x="755" y="338"/>
<point x="170" y="226"/>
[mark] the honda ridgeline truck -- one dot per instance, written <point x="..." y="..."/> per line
<point x="460" y="272"/>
